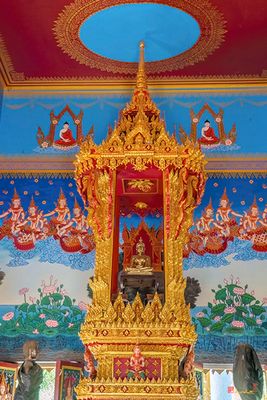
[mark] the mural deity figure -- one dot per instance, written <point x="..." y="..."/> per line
<point x="224" y="211"/>
<point x="252" y="218"/>
<point x="17" y="213"/>
<point x="247" y="373"/>
<point x="34" y="222"/>
<point x="137" y="365"/>
<point x="30" y="374"/>
<point x="208" y="136"/>
<point x="140" y="263"/>
<point x="66" y="139"/>
<point x="78" y="222"/>
<point x="206" y="221"/>
<point x="62" y="211"/>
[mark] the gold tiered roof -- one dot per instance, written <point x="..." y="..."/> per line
<point x="140" y="138"/>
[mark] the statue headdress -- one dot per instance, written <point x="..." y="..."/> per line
<point x="32" y="203"/>
<point x="254" y="204"/>
<point x="224" y="195"/>
<point x="61" y="195"/>
<point x="76" y="204"/>
<point x="140" y="243"/>
<point x="209" y="206"/>
<point x="15" y="195"/>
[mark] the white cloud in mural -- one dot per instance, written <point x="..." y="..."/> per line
<point x="251" y="273"/>
<point x="31" y="276"/>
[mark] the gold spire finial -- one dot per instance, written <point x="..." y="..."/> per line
<point x="141" y="83"/>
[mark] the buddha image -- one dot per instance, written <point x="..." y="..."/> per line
<point x="140" y="263"/>
<point x="208" y="137"/>
<point x="66" y="139"/>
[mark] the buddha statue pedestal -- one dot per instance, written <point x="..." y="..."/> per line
<point x="143" y="284"/>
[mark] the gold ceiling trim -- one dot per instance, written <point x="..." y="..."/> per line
<point x="210" y="20"/>
<point x="25" y="165"/>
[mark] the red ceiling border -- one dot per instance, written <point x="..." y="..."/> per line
<point x="66" y="30"/>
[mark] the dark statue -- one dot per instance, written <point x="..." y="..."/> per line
<point x="30" y="374"/>
<point x="247" y="373"/>
<point x="2" y="275"/>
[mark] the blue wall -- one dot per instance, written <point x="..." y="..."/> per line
<point x="21" y="117"/>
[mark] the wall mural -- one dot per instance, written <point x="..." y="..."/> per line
<point x="56" y="125"/>
<point x="47" y="256"/>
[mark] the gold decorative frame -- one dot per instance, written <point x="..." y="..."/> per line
<point x="210" y="20"/>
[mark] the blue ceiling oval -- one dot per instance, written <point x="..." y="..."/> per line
<point x="115" y="32"/>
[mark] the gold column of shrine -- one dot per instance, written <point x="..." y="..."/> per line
<point x="163" y="329"/>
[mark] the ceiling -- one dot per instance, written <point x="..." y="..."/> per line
<point x="41" y="41"/>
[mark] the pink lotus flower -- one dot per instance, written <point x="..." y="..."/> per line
<point x="8" y="316"/>
<point x="200" y="315"/>
<point x="36" y="332"/>
<point x="264" y="300"/>
<point x="238" y="324"/>
<point x="70" y="325"/>
<point x="42" y="316"/>
<point x="259" y="321"/>
<point x="23" y="291"/>
<point x="229" y="310"/>
<point x="217" y="318"/>
<point x="225" y="281"/>
<point x="82" y="306"/>
<point x="63" y="292"/>
<point x="51" y="323"/>
<point x="238" y="291"/>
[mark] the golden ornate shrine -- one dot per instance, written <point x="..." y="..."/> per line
<point x="140" y="162"/>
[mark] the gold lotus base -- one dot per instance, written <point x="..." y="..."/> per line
<point x="141" y="390"/>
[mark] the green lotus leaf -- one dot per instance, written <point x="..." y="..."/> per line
<point x="32" y="308"/>
<point x="231" y="287"/>
<point x="67" y="301"/>
<point x="50" y="331"/>
<point x="242" y="309"/>
<point x="23" y="307"/>
<point x="204" y="322"/>
<point x="257" y="310"/>
<point x="221" y="294"/>
<point x="45" y="301"/>
<point x="235" y="331"/>
<point x="250" y="321"/>
<point x="227" y="318"/>
<point x="247" y="298"/>
<point x="218" y="309"/>
<point x="217" y="327"/>
<point x="260" y="331"/>
<point x="56" y="296"/>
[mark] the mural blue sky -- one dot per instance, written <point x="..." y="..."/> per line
<point x="21" y="118"/>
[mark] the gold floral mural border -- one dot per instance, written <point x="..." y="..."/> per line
<point x="210" y="20"/>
